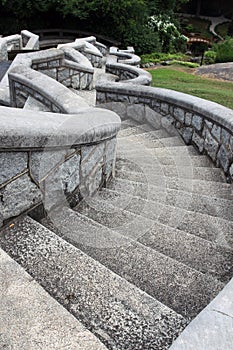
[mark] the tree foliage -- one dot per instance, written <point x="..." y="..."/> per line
<point x="125" y="20"/>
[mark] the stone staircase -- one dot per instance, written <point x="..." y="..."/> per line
<point x="136" y="262"/>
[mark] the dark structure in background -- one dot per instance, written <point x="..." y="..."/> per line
<point x="209" y="8"/>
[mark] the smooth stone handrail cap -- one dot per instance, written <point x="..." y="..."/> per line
<point x="26" y="130"/>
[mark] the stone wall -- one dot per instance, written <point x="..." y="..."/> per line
<point x="25" y="82"/>
<point x="89" y="50"/>
<point x="127" y="73"/>
<point x="206" y="125"/>
<point x="53" y="160"/>
<point x="52" y="63"/>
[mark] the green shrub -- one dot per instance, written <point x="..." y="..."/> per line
<point x="210" y="57"/>
<point x="224" y="51"/>
<point x="186" y="64"/>
<point x="157" y="57"/>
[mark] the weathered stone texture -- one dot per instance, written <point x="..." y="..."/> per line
<point x="18" y="196"/>
<point x="12" y="164"/>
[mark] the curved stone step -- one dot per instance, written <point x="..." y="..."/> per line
<point x="189" y="249"/>
<point x="32" y="319"/>
<point x="210" y="228"/>
<point x="131" y="162"/>
<point x="163" y="142"/>
<point x="191" y="201"/>
<point x="153" y="174"/>
<point x="135" y="130"/>
<point x="112" y="308"/>
<point x="181" y="288"/>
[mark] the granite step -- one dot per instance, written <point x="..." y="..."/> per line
<point x="202" y="187"/>
<point x="134" y="130"/>
<point x="210" y="228"/>
<point x="118" y="313"/>
<point x="129" y="122"/>
<point x="163" y="142"/>
<point x="129" y="147"/>
<point x="32" y="319"/>
<point x="218" y="207"/>
<point x="138" y="134"/>
<point x="193" y="251"/>
<point x="193" y="161"/>
<point x="174" y="284"/>
<point x="144" y="173"/>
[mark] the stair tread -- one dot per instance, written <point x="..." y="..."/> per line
<point x="150" y="172"/>
<point x="114" y="309"/>
<point x="187" y="248"/>
<point x="166" y="142"/>
<point x="30" y="316"/>
<point x="134" y="130"/>
<point x="201" y="161"/>
<point x="213" y="229"/>
<point x="191" y="290"/>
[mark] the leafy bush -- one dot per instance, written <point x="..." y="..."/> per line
<point x="224" y="51"/>
<point x="143" y="39"/>
<point x="157" y="57"/>
<point x="210" y="57"/>
<point x="185" y="63"/>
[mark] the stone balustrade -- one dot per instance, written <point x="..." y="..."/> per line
<point x="127" y="73"/>
<point x="52" y="63"/>
<point x="24" y="41"/>
<point x="205" y="124"/>
<point x="126" y="56"/>
<point x="30" y="41"/>
<point x="53" y="158"/>
<point x="87" y="49"/>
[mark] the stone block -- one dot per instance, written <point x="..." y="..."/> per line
<point x="42" y="163"/>
<point x="136" y="112"/>
<point x="179" y="114"/>
<point x="75" y="81"/>
<point x="110" y="157"/>
<point x="164" y="108"/>
<point x="63" y="74"/>
<point x="52" y="73"/>
<point x="100" y="97"/>
<point x="188" y="118"/>
<point x="198" y="141"/>
<point x="121" y="98"/>
<point x="91" y="156"/>
<point x="19" y="196"/>
<point x="153" y="117"/>
<point x="225" y="137"/>
<point x="12" y="164"/>
<point x="224" y="157"/>
<point x="187" y="134"/>
<point x="208" y="124"/>
<point x="211" y="145"/>
<point x="61" y="182"/>
<point x="216" y="132"/>
<point x="92" y="183"/>
<point x="197" y="122"/>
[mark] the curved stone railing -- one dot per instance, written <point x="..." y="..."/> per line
<point x="127" y="73"/>
<point x="52" y="63"/>
<point x="30" y="41"/>
<point x="87" y="49"/>
<point x="51" y="158"/>
<point x="101" y="47"/>
<point x="25" y="82"/>
<point x="25" y="41"/>
<point x="206" y="125"/>
<point x="126" y="56"/>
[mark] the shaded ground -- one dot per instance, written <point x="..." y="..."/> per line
<point x="217" y="71"/>
<point x="3" y="68"/>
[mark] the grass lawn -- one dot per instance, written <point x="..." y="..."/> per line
<point x="183" y="80"/>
